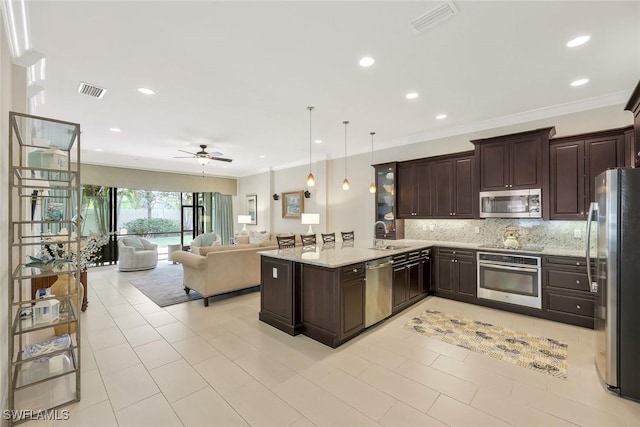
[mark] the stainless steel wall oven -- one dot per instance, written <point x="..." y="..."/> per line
<point x="516" y="279"/>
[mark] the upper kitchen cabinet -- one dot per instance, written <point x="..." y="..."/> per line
<point x="575" y="161"/>
<point x="634" y="140"/>
<point x="455" y="193"/>
<point x="414" y="189"/>
<point x="516" y="161"/>
<point x="385" y="199"/>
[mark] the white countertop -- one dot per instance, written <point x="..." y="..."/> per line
<point x="342" y="254"/>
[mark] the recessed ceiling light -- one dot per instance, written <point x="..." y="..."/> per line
<point x="579" y="82"/>
<point x="318" y="141"/>
<point x="367" y="61"/>
<point x="146" y="91"/>
<point x="412" y="95"/>
<point x="578" y="41"/>
<point x="99" y="149"/>
<point x="441" y="116"/>
<point x="262" y="156"/>
<point x="115" y="130"/>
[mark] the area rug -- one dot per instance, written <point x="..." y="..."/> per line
<point x="163" y="285"/>
<point x="541" y="354"/>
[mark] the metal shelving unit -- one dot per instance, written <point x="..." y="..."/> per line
<point x="45" y="194"/>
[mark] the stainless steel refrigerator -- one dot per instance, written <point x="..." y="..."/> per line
<point x="616" y="213"/>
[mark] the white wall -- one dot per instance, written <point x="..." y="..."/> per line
<point x="354" y="209"/>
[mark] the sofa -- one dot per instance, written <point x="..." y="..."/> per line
<point x="136" y="253"/>
<point x="220" y="269"/>
<point x="203" y="240"/>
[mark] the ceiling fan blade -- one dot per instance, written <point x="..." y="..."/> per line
<point x="193" y="154"/>
<point x="221" y="159"/>
<point x="214" y="154"/>
<point x="184" y="157"/>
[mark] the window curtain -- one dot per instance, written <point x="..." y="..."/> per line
<point x="223" y="217"/>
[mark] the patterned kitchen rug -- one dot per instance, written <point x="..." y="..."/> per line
<point x="541" y="354"/>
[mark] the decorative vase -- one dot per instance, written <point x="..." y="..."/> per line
<point x="66" y="284"/>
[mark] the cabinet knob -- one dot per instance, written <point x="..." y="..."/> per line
<point x="506" y="186"/>
<point x="452" y="260"/>
<point x="454" y="252"/>
<point x="581" y="213"/>
<point x="450" y="213"/>
<point x="577" y="263"/>
<point x="578" y="282"/>
<point x="454" y="213"/>
<point x="578" y="307"/>
<point x="355" y="270"/>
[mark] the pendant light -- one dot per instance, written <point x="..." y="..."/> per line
<point x="311" y="180"/>
<point x="372" y="187"/>
<point x="345" y="183"/>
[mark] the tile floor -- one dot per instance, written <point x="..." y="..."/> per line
<point x="220" y="366"/>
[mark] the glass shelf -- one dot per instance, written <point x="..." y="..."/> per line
<point x="58" y="364"/>
<point x="68" y="314"/>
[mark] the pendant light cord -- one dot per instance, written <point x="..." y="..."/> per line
<point x="310" y="138"/>
<point x="345" y="148"/>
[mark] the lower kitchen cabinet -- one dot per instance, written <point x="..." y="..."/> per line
<point x="566" y="291"/>
<point x="279" y="296"/>
<point x="455" y="274"/>
<point x="352" y="300"/>
<point x="408" y="278"/>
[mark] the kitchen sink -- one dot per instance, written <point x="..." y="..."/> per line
<point x="389" y="248"/>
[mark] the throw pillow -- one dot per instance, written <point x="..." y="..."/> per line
<point x="258" y="236"/>
<point x="207" y="239"/>
<point x="135" y="242"/>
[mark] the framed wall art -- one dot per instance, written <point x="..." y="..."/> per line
<point x="252" y="208"/>
<point x="292" y="204"/>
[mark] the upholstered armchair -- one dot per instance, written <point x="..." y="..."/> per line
<point x="136" y="253"/>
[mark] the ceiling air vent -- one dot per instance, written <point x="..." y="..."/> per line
<point x="91" y="90"/>
<point x="434" y="17"/>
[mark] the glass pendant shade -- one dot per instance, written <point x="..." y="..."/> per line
<point x="311" y="180"/>
<point x="345" y="184"/>
<point x="372" y="188"/>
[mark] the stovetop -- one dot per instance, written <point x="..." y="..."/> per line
<point x="532" y="248"/>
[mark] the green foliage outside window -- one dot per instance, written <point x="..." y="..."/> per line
<point x="144" y="226"/>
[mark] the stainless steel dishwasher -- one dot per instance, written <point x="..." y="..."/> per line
<point x="378" y="293"/>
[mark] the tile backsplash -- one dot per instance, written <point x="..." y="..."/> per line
<point x="550" y="234"/>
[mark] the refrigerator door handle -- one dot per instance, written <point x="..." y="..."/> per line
<point x="593" y="210"/>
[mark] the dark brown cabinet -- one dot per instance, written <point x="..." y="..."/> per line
<point x="455" y="274"/>
<point x="566" y="291"/>
<point x="352" y="300"/>
<point x="633" y="105"/>
<point x="631" y="153"/>
<point x="385" y="201"/>
<point x="414" y="189"/>
<point x="514" y="161"/>
<point x="279" y="297"/>
<point x="408" y="278"/>
<point x="574" y="164"/>
<point x="454" y="187"/>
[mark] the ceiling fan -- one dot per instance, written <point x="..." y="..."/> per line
<point x="203" y="157"/>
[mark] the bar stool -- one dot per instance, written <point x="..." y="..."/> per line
<point x="347" y="236"/>
<point x="285" y="242"/>
<point x="308" y="239"/>
<point x="328" y="237"/>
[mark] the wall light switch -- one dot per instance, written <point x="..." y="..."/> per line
<point x="577" y="233"/>
<point x="477" y="230"/>
<point x="275" y="273"/>
<point x="424" y="227"/>
<point x="432" y="227"/>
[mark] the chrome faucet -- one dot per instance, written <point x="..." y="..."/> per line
<point x="375" y="228"/>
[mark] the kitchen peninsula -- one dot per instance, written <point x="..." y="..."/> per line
<point x="321" y="291"/>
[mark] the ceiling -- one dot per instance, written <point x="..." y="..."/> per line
<point x="238" y="76"/>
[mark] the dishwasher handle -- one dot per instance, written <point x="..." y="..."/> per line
<point x="378" y="266"/>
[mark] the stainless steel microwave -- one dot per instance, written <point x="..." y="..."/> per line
<point x="511" y="204"/>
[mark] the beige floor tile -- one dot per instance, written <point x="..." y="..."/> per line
<point x="378" y="355"/>
<point x="562" y="407"/>
<point x="115" y="358"/>
<point x="147" y="308"/>
<point x="231" y="346"/>
<point x="98" y="415"/>
<point x="153" y="411"/>
<point x="129" y="386"/>
<point x="106" y="338"/>
<point x="439" y="381"/>
<point x="355" y="418"/>
<point x="260" y="407"/>
<point x="409" y="350"/>
<point x="509" y="370"/>
<point x="174" y="332"/>
<point x="141" y="335"/>
<point x="439" y="347"/>
<point x="514" y="413"/>
<point x="316" y="404"/>
<point x="97" y="322"/>
<point x="349" y="362"/>
<point x="159" y="318"/>
<point x="264" y="369"/>
<point x="475" y="375"/>
<point x="92" y="390"/>
<point x="177" y="380"/>
<point x="129" y="320"/>
<point x="303" y="422"/>
<point x="207" y="408"/>
<point x="455" y="413"/>
<point x="223" y="375"/>
<point x="195" y="349"/>
<point x="157" y="353"/>
<point x="121" y="310"/>
<point x="363" y="397"/>
<point x="399" y="387"/>
<point x="402" y="415"/>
